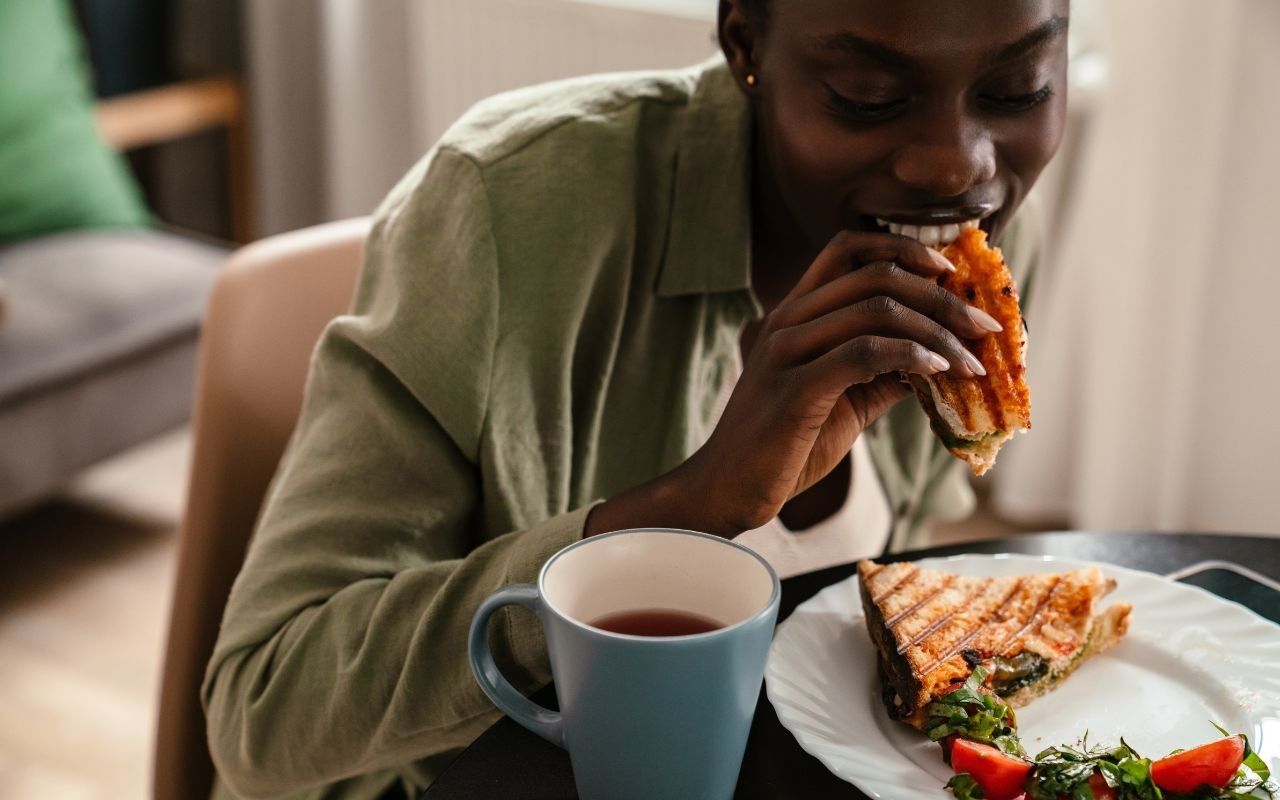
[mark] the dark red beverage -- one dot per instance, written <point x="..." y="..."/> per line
<point x="655" y="622"/>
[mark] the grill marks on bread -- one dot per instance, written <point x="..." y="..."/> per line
<point x="932" y="619"/>
<point x="983" y="280"/>
<point x="925" y="621"/>
<point x="975" y="416"/>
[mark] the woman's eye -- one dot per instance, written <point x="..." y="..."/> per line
<point x="1018" y="102"/>
<point x="861" y="111"/>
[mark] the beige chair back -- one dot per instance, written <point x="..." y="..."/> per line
<point x="266" y="311"/>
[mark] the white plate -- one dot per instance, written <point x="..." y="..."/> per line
<point x="1189" y="657"/>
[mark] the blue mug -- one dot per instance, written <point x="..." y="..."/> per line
<point x="645" y="716"/>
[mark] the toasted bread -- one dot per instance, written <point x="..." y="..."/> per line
<point x="974" y="417"/>
<point x="933" y="628"/>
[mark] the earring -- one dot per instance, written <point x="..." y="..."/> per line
<point x="751" y="79"/>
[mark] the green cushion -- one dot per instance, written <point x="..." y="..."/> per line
<point x="56" y="173"/>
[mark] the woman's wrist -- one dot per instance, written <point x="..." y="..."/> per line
<point x="671" y="500"/>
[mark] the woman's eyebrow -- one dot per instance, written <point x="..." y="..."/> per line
<point x="1044" y="33"/>
<point x="851" y="44"/>
<point x="848" y="43"/>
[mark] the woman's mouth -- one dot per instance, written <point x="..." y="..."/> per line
<point x="935" y="227"/>
<point x="930" y="235"/>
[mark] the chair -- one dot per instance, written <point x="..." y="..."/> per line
<point x="149" y="117"/>
<point x="266" y="311"/>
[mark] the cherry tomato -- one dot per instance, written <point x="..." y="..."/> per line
<point x="1212" y="764"/>
<point x="1098" y="785"/>
<point x="1000" y="775"/>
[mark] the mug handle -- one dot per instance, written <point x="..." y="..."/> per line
<point x="543" y="721"/>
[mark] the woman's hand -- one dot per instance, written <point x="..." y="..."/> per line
<point x="824" y="367"/>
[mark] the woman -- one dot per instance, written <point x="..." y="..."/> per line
<point x="552" y="303"/>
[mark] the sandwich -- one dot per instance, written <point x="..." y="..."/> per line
<point x="1022" y="634"/>
<point x="975" y="416"/>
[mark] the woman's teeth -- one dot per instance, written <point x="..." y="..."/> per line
<point x="929" y="234"/>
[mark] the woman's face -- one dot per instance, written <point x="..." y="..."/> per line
<point x="917" y="112"/>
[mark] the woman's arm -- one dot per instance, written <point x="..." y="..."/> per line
<point x="343" y="645"/>
<point x="343" y="649"/>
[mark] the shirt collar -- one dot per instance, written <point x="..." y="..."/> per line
<point x="709" y="233"/>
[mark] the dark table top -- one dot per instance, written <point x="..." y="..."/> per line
<point x="508" y="761"/>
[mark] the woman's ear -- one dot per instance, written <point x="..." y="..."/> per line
<point x="738" y="42"/>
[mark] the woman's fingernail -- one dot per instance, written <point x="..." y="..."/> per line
<point x="985" y="320"/>
<point x="974" y="363"/>
<point x="939" y="363"/>
<point x="941" y="260"/>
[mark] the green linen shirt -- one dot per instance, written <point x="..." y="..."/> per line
<point x="549" y="306"/>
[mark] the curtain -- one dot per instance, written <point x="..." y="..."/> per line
<point x="348" y="94"/>
<point x="1152" y="347"/>
<point x="333" y="95"/>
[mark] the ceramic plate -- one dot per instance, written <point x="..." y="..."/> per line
<point x="1189" y="657"/>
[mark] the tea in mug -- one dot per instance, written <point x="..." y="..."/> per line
<point x="655" y="622"/>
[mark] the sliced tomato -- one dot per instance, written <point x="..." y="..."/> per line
<point x="1098" y="785"/>
<point x="1212" y="764"/>
<point x="1000" y="775"/>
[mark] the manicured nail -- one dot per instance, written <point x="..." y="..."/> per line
<point x="939" y="363"/>
<point x="985" y="320"/>
<point x="974" y="363"/>
<point x="941" y="260"/>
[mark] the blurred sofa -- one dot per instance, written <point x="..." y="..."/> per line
<point x="98" y="335"/>
<point x="100" y="307"/>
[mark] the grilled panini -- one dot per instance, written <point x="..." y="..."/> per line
<point x="1030" y="632"/>
<point x="975" y="416"/>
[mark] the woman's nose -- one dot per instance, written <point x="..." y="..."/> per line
<point x="949" y="164"/>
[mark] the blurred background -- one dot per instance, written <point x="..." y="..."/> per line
<point x="141" y="141"/>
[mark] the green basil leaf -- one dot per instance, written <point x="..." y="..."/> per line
<point x="964" y="787"/>
<point x="973" y="714"/>
<point x="1127" y="750"/>
<point x="1254" y="762"/>
<point x="1053" y="779"/>
<point x="1110" y="773"/>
